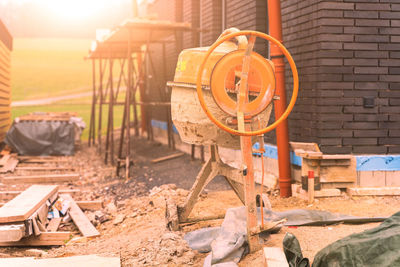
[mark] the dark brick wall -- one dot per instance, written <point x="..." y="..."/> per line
<point x="161" y="71"/>
<point x="191" y="14"/>
<point x="211" y="20"/>
<point x="346" y="51"/>
<point x="248" y="15"/>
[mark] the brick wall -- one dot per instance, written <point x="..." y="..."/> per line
<point x="248" y="15"/>
<point x="211" y="20"/>
<point x="191" y="14"/>
<point x="347" y="55"/>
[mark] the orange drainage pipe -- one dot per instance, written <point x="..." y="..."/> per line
<point x="282" y="132"/>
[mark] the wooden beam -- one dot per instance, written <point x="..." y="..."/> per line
<point x="53" y="178"/>
<point x="173" y="156"/>
<point x="26" y="203"/>
<point x="90" y="205"/>
<point x="44" y="168"/>
<point x="44" y="239"/>
<point x="53" y="224"/>
<point x="49" y="159"/>
<point x="81" y="221"/>
<point x="274" y="257"/>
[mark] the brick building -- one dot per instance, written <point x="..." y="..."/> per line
<point x="347" y="53"/>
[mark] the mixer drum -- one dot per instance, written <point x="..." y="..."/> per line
<point x="192" y="123"/>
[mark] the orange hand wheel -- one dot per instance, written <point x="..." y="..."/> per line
<point x="260" y="73"/>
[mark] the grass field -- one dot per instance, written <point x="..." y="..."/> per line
<point x="49" y="67"/>
<point x="44" y="68"/>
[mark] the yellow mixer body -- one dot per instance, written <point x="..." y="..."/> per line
<point x="193" y="125"/>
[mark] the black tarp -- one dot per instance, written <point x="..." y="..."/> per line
<point x="42" y="138"/>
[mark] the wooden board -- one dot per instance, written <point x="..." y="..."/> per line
<point x="8" y="195"/>
<point x="75" y="261"/>
<point x="53" y="178"/>
<point x="44" y="168"/>
<point x="81" y="221"/>
<point x="44" y="239"/>
<point x="304" y="146"/>
<point x="173" y="156"/>
<point x="53" y="224"/>
<point x="28" y="159"/>
<point x="26" y="203"/>
<point x="274" y="257"/>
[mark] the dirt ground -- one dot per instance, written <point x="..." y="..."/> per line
<point x="132" y="223"/>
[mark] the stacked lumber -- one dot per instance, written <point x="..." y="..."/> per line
<point x="37" y="174"/>
<point x="331" y="171"/>
<point x="23" y="219"/>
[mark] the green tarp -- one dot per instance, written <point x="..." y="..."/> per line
<point x="379" y="247"/>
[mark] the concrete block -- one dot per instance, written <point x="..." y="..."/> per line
<point x="374" y="191"/>
<point x="372" y="178"/>
<point x="274" y="257"/>
<point x="393" y="178"/>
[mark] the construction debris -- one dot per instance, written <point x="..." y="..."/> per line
<point x="81" y="221"/>
<point x="24" y="218"/>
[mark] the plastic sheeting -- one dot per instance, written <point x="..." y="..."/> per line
<point x="43" y="138"/>
<point x="228" y="243"/>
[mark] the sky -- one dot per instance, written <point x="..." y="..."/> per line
<point x="62" y="18"/>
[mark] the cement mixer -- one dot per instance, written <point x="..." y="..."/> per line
<point x="223" y="95"/>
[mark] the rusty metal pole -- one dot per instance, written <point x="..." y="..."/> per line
<point x="128" y="107"/>
<point x="101" y="70"/>
<point x="282" y="131"/>
<point x="92" y="128"/>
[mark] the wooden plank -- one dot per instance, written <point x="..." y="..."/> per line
<point x="81" y="221"/>
<point x="45" y="168"/>
<point x="274" y="257"/>
<point x="28" y="159"/>
<point x="44" y="239"/>
<point x="374" y="191"/>
<point x="8" y="195"/>
<point x="304" y="146"/>
<point x="26" y="203"/>
<point x="173" y="156"/>
<point x="53" y="178"/>
<point x="53" y="224"/>
<point x="90" y="205"/>
<point x="76" y="261"/>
